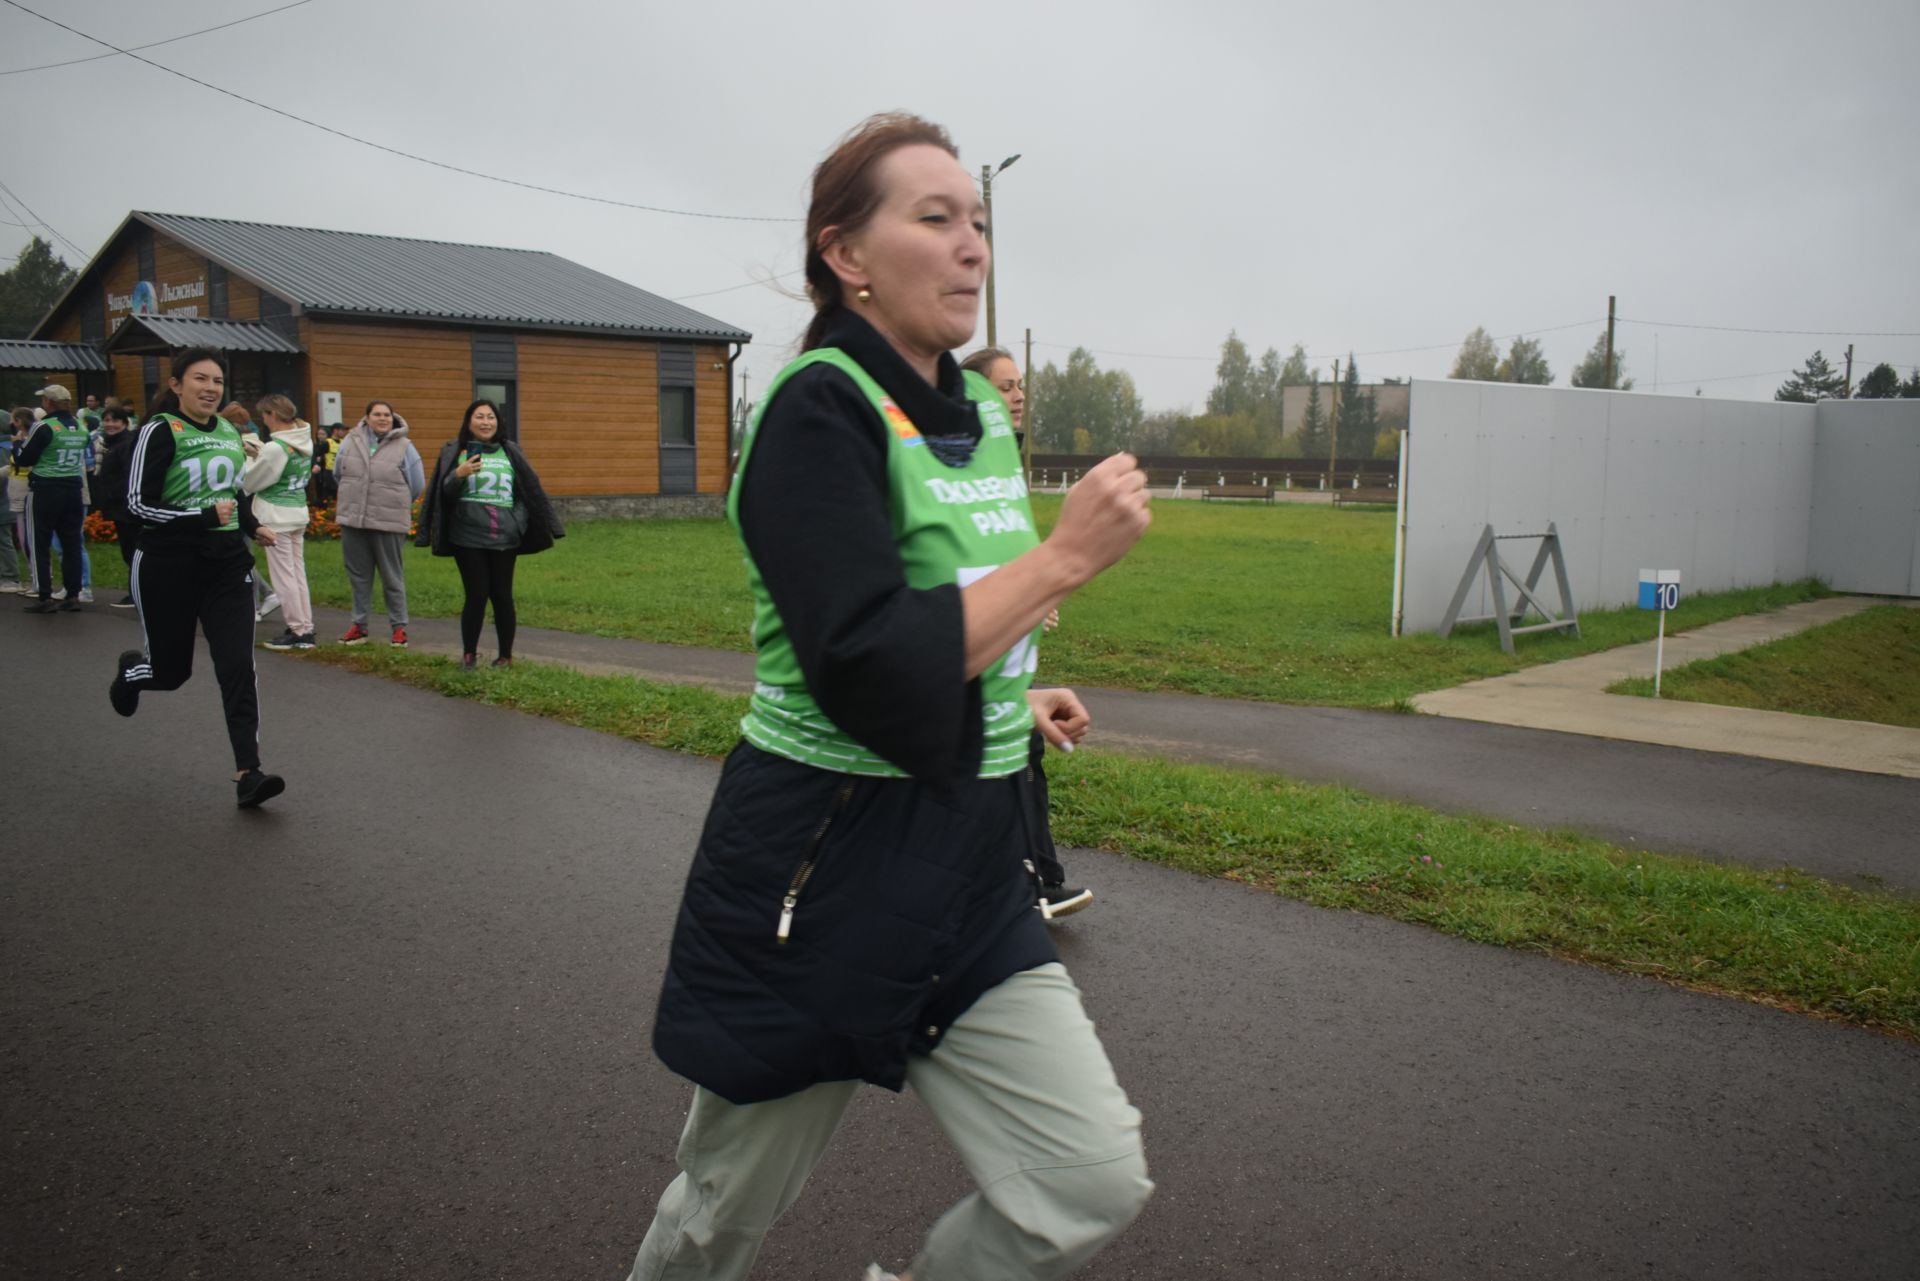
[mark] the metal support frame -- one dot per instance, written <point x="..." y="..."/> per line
<point x="1487" y="552"/>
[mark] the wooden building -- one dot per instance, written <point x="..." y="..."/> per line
<point x="621" y="398"/>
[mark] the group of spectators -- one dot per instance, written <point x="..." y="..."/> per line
<point x="189" y="489"/>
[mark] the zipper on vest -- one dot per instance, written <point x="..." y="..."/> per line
<point x="805" y="872"/>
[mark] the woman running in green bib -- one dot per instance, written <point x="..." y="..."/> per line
<point x="193" y="567"/>
<point x="861" y="903"/>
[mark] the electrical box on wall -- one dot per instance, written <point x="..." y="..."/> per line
<point x="327" y="408"/>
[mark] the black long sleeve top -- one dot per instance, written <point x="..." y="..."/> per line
<point x="885" y="661"/>
<point x="179" y="529"/>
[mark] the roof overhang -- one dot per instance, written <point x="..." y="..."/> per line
<point x="152" y="335"/>
<point x="45" y="357"/>
<point x="531" y="326"/>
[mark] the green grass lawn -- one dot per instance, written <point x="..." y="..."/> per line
<point x="1862" y="668"/>
<point x="1287" y="603"/>
<point x="1776" y="936"/>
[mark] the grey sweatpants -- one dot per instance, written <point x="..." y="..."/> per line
<point x="1020" y="1086"/>
<point x="366" y="550"/>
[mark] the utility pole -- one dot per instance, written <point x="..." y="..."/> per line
<point x="1609" y="342"/>
<point x="1846" y="392"/>
<point x="1026" y="414"/>
<point x="1333" y="428"/>
<point x="987" y="173"/>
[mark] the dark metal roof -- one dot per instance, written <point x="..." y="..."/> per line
<point x="22" y="353"/>
<point x="357" y="274"/>
<point x="148" y="334"/>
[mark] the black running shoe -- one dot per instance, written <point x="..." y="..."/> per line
<point x="1057" y="900"/>
<point x="125" y="698"/>
<point x="284" y="641"/>
<point x="70" y="606"/>
<point x="126" y="602"/>
<point x="255" y="789"/>
<point x="41" y="606"/>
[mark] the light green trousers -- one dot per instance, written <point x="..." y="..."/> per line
<point x="1020" y="1085"/>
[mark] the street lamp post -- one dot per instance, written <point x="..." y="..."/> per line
<point x="987" y="175"/>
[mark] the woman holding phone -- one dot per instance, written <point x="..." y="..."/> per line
<point x="485" y="507"/>
<point x="193" y="569"/>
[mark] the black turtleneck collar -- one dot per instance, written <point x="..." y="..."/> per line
<point x="943" y="413"/>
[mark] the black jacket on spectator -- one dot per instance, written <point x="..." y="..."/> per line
<point x="543" y="523"/>
<point x="110" y="483"/>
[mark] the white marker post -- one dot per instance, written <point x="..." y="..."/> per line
<point x="1659" y="591"/>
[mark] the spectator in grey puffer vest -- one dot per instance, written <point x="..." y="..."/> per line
<point x="379" y="474"/>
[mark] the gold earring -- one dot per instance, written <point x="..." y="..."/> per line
<point x="864" y="295"/>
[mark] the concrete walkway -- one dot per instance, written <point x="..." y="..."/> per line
<point x="1570" y="697"/>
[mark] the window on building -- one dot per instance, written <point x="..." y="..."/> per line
<point x="500" y="392"/>
<point x="676" y="416"/>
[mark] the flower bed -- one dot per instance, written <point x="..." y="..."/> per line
<point x="321" y="523"/>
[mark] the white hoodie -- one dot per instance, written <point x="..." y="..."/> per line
<point x="266" y="465"/>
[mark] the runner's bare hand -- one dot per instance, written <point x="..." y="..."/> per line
<point x="1060" y="716"/>
<point x="223" y="510"/>
<point x="1103" y="517"/>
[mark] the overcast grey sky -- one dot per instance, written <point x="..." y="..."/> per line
<point x="1353" y="176"/>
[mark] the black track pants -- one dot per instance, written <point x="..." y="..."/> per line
<point x="1045" y="858"/>
<point x="487" y="576"/>
<point x="176" y="592"/>
<point x="128" y="532"/>
<point x="57" y="509"/>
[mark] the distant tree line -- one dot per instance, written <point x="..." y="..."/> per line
<point x="1084" y="409"/>
<point x="1819" y="380"/>
<point x="28" y="290"/>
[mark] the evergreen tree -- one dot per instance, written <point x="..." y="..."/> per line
<point x="1359" y="415"/>
<point x="1817" y="380"/>
<point x="28" y="291"/>
<point x="1313" y="427"/>
<point x="1910" y="389"/>
<point x="1592" y="369"/>
<point x="30" y="287"/>
<point x="1478" y="359"/>
<point x="1525" y="363"/>
<point x="1881" y="383"/>
<point x="1233" y="384"/>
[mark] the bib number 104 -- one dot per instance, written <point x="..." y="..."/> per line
<point x="215" y="474"/>
<point x="1024" y="658"/>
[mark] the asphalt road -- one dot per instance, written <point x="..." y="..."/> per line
<point x="396" y="1025"/>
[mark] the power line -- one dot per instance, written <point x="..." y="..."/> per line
<point x="395" y="151"/>
<point x="708" y="293"/>
<point x="1791" y="333"/>
<point x="38" y="221"/>
<point x="74" y="62"/>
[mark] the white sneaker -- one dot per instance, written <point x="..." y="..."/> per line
<point x="874" y="1273"/>
<point x="267" y="606"/>
<point x="59" y="593"/>
<point x="86" y="595"/>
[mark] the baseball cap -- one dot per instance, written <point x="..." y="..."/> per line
<point x="54" y="391"/>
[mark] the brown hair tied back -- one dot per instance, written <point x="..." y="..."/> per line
<point x="846" y="195"/>
<point x="984" y="359"/>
